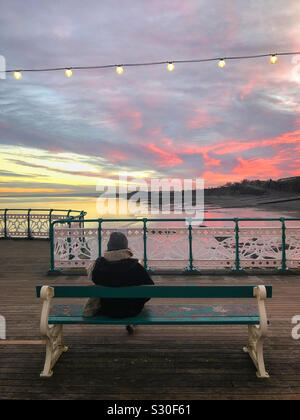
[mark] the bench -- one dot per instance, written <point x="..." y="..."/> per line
<point x="53" y="317"/>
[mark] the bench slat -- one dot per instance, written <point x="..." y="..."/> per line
<point x="164" y="315"/>
<point x="155" y="292"/>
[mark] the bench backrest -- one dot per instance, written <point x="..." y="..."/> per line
<point x="155" y="292"/>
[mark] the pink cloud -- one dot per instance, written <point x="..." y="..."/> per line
<point x="212" y="162"/>
<point x="116" y="156"/>
<point x="200" y="119"/>
<point x="254" y="82"/>
<point x="218" y="178"/>
<point x="123" y="112"/>
<point x="155" y="131"/>
<point x="165" y="158"/>
<point x="257" y="167"/>
<point x="292" y="137"/>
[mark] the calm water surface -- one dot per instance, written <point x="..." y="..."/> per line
<point x="90" y="206"/>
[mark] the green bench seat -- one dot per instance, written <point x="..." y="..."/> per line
<point x="253" y="315"/>
<point x="163" y="315"/>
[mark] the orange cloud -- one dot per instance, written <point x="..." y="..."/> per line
<point x="166" y="158"/>
<point x="257" y="167"/>
<point x="211" y="161"/>
<point x="292" y="137"/>
<point x="218" y="178"/>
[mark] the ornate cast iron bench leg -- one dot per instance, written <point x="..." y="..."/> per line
<point x="54" y="349"/>
<point x="53" y="334"/>
<point x="257" y="335"/>
<point x="255" y="351"/>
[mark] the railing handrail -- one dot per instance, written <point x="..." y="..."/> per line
<point x="45" y="210"/>
<point x="239" y="219"/>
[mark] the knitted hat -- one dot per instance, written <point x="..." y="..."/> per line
<point x="117" y="241"/>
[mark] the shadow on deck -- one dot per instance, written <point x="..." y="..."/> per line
<point x="158" y="362"/>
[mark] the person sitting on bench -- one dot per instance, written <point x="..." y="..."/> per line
<point x="117" y="269"/>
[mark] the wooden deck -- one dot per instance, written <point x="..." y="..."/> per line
<point x="168" y="363"/>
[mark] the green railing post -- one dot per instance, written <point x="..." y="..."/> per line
<point x="81" y="226"/>
<point x="237" y="245"/>
<point x="53" y="269"/>
<point x="50" y="219"/>
<point x="283" y="244"/>
<point x="145" y="243"/>
<point x="69" y="239"/>
<point x="191" y="259"/>
<point x="5" y="223"/>
<point x="28" y="225"/>
<point x="192" y="268"/>
<point x="51" y="236"/>
<point x="100" y="237"/>
<point x="81" y="218"/>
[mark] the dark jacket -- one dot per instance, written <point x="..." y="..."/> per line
<point x="127" y="272"/>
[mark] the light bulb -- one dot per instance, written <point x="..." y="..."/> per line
<point x="17" y="75"/>
<point x="273" y="59"/>
<point x="222" y="63"/>
<point x="119" y="69"/>
<point x="69" y="72"/>
<point x="170" y="66"/>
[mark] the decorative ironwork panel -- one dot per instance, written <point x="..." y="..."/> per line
<point x="39" y="225"/>
<point x="293" y="247"/>
<point x="213" y="247"/>
<point x="75" y="247"/>
<point x="17" y="225"/>
<point x="260" y="247"/>
<point x="165" y="245"/>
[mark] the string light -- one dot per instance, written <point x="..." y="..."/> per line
<point x="273" y="59"/>
<point x="222" y="63"/>
<point x="17" y="75"/>
<point x="171" y="66"/>
<point x="119" y="69"/>
<point x="68" y="72"/>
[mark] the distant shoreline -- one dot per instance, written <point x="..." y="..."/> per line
<point x="269" y="202"/>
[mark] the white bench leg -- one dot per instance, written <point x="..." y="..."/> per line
<point x="54" y="349"/>
<point x="255" y="350"/>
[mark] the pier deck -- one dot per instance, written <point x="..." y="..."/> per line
<point x="158" y="362"/>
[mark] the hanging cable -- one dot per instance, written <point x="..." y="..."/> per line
<point x="170" y="64"/>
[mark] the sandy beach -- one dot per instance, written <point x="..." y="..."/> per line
<point x="269" y="202"/>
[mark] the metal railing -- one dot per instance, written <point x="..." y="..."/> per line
<point x="33" y="223"/>
<point x="235" y="247"/>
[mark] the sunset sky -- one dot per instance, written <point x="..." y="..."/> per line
<point x="60" y="135"/>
